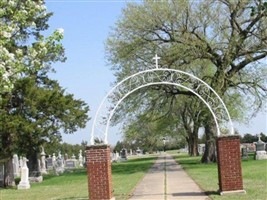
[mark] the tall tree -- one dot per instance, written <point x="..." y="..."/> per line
<point x="219" y="41"/>
<point x="23" y="50"/>
<point x="32" y="107"/>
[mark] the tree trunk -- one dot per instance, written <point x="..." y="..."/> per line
<point x="33" y="163"/>
<point x="210" y="145"/>
<point x="193" y="145"/>
<point x="8" y="173"/>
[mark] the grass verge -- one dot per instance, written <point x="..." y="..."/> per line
<point x="206" y="176"/>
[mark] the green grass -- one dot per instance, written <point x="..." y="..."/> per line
<point x="73" y="185"/>
<point x="206" y="176"/>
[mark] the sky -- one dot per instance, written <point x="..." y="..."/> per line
<point x="85" y="74"/>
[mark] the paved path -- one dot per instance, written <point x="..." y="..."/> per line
<point x="166" y="180"/>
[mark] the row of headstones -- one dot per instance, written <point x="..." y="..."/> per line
<point x="260" y="147"/>
<point x="123" y="154"/>
<point x="58" y="164"/>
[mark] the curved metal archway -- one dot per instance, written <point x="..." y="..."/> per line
<point x="154" y="77"/>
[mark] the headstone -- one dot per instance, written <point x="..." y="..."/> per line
<point x="117" y="156"/>
<point x="131" y="152"/>
<point x="49" y="163"/>
<point x="20" y="165"/>
<point x="138" y="151"/>
<point x="80" y="159"/>
<point x="43" y="167"/>
<point x="84" y="160"/>
<point x="60" y="161"/>
<point x="251" y="147"/>
<point x="201" y="149"/>
<point x="73" y="157"/>
<point x="66" y="157"/>
<point x="70" y="164"/>
<point x="58" y="166"/>
<point x="260" y="146"/>
<point x="123" y="154"/>
<point x="35" y="176"/>
<point x="114" y="157"/>
<point x="16" y="165"/>
<point x="54" y="159"/>
<point x="24" y="182"/>
<point x="244" y="151"/>
<point x="260" y="150"/>
<point x="39" y="166"/>
<point x="59" y="155"/>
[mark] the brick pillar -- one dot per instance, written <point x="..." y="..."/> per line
<point x="99" y="172"/>
<point x="229" y="164"/>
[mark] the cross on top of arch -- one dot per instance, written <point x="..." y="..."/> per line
<point x="156" y="58"/>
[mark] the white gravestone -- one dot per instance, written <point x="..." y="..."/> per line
<point x="117" y="156"/>
<point x="20" y="165"/>
<point x="54" y="159"/>
<point x="60" y="160"/>
<point x="16" y="165"/>
<point x="24" y="182"/>
<point x="43" y="167"/>
<point x="80" y="159"/>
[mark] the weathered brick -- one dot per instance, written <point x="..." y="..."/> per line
<point x="99" y="172"/>
<point x="229" y="163"/>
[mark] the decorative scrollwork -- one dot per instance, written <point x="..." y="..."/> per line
<point x="173" y="77"/>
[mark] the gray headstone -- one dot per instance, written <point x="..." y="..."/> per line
<point x="70" y="164"/>
<point x="245" y="152"/>
<point x="260" y="146"/>
<point x="16" y="165"/>
<point x="49" y="163"/>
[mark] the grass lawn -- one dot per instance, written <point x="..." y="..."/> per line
<point x="73" y="185"/>
<point x="206" y="175"/>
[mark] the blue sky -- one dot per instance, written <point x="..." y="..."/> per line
<point x="85" y="74"/>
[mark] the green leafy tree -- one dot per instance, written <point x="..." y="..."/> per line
<point x="248" y="138"/>
<point x="28" y="117"/>
<point x="23" y="47"/>
<point x="218" y="41"/>
<point x="42" y="112"/>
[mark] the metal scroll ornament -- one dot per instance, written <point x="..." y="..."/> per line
<point x="160" y="76"/>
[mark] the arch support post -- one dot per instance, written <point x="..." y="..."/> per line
<point x="229" y="164"/>
<point x="99" y="172"/>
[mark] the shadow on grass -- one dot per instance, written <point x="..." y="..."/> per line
<point x="212" y="193"/>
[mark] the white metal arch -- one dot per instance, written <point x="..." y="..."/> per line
<point x="155" y="77"/>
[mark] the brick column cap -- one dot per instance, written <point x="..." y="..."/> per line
<point x="98" y="146"/>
